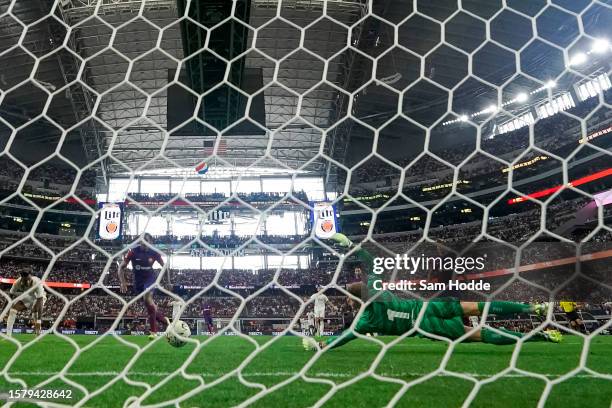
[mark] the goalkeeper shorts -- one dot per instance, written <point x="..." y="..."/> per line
<point x="444" y="317"/>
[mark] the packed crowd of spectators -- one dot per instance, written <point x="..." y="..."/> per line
<point x="182" y="279"/>
<point x="485" y="182"/>
<point x="558" y="134"/>
<point x="84" y="252"/>
<point x="445" y="228"/>
<point x="91" y="308"/>
<point x="558" y="283"/>
<point x="29" y="249"/>
<point x="278" y="306"/>
<point x="50" y="174"/>
<point x="254" y="279"/>
<point x="86" y="264"/>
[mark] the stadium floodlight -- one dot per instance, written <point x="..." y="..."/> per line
<point x="522" y="97"/>
<point x="550" y="84"/>
<point x="578" y="59"/>
<point x="463" y="118"/>
<point x="491" y="108"/>
<point x="600" y="46"/>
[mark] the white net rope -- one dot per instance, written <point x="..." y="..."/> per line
<point x="403" y="56"/>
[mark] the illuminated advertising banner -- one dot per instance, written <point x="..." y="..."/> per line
<point x="53" y="284"/>
<point x="603" y="199"/>
<point x="110" y="221"/>
<point x="575" y="183"/>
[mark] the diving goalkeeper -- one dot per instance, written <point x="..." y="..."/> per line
<point x="390" y="315"/>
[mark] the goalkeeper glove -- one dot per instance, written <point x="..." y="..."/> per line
<point x="309" y="344"/>
<point x="342" y="240"/>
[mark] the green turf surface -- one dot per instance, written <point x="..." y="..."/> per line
<point x="213" y="380"/>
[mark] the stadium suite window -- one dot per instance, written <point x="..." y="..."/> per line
<point x="214" y="262"/>
<point x="276" y="185"/>
<point x="312" y="186"/>
<point x="131" y="226"/>
<point x="246" y="226"/>
<point x="156" y="225"/>
<point x="289" y="262"/>
<point x="246" y="186"/>
<point x="185" y="186"/>
<point x="155" y="186"/>
<point x="184" y="262"/>
<point x="221" y="187"/>
<point x="250" y="262"/>
<point x="281" y="224"/>
<point x="119" y="188"/>
<point x="182" y="227"/>
<point x="222" y="230"/>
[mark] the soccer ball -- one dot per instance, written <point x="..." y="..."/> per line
<point x="177" y="333"/>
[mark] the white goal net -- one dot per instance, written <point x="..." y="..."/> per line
<point x="453" y="129"/>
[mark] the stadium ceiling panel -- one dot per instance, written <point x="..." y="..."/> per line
<point x="122" y="105"/>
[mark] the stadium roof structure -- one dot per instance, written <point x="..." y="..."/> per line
<point x="120" y="52"/>
<point x="120" y="107"/>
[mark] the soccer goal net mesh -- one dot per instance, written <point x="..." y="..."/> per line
<point x="438" y="128"/>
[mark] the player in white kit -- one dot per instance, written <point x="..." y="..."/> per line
<point x="30" y="296"/>
<point x="311" y="323"/>
<point x="319" y="311"/>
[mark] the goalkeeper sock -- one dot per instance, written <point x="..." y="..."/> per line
<point x="10" y="321"/>
<point x="491" y="337"/>
<point x="505" y="308"/>
<point x="321" y="323"/>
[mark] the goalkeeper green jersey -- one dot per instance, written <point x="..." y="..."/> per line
<point x="387" y="314"/>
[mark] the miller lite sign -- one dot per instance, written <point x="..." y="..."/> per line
<point x="109" y="226"/>
<point x="324" y="219"/>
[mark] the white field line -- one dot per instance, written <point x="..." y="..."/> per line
<point x="268" y="374"/>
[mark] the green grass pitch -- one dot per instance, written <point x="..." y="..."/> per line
<point x="215" y="364"/>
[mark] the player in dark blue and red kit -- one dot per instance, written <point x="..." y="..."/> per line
<point x="208" y="319"/>
<point x="143" y="258"/>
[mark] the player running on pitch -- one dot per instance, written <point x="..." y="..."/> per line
<point x="571" y="312"/>
<point x="143" y="258"/>
<point x="319" y="312"/>
<point x="30" y="296"/>
<point x="391" y="315"/>
<point x="207" y="312"/>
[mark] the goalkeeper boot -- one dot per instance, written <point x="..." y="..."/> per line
<point x="541" y="309"/>
<point x="309" y="344"/>
<point x="554" y="336"/>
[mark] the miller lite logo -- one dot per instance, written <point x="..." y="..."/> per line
<point x="110" y="221"/>
<point x="324" y="216"/>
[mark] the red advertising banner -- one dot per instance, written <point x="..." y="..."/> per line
<point x="54" y="284"/>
